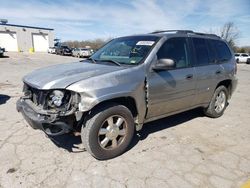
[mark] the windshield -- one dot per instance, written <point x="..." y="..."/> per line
<point x="126" y="50"/>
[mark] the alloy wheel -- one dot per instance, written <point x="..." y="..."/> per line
<point x="112" y="132"/>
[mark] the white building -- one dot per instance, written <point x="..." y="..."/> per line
<point x="21" y="38"/>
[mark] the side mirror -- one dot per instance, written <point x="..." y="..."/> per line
<point x="165" y="64"/>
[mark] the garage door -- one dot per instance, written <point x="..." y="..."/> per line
<point x="8" y="41"/>
<point x="40" y="42"/>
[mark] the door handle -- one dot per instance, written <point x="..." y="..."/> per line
<point x="218" y="72"/>
<point x="189" y="76"/>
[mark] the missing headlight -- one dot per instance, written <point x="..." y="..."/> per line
<point x="58" y="99"/>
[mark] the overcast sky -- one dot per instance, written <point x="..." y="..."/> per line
<point x="91" y="19"/>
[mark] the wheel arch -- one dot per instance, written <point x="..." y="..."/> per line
<point x="128" y="102"/>
<point x="228" y="84"/>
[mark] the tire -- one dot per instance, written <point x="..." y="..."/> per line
<point x="108" y="131"/>
<point x="78" y="55"/>
<point x="220" y="97"/>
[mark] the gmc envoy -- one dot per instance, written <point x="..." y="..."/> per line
<point x="128" y="82"/>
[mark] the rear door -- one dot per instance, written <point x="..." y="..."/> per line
<point x="207" y="69"/>
<point x="172" y="90"/>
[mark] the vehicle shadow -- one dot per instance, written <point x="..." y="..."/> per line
<point x="5" y="56"/>
<point x="69" y="142"/>
<point x="4" y="98"/>
<point x="165" y="123"/>
<point x="73" y="143"/>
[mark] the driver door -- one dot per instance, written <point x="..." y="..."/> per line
<point x="172" y="90"/>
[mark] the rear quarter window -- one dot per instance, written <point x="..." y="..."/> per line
<point x="223" y="51"/>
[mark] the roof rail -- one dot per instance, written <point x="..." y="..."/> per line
<point x="170" y="31"/>
<point x="185" y="32"/>
<point x="206" y="34"/>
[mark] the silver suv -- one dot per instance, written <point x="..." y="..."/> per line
<point x="130" y="81"/>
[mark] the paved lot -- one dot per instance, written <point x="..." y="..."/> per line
<point x="185" y="150"/>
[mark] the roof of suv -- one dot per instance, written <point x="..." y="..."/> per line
<point x="183" y="32"/>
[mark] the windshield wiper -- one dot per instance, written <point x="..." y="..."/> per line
<point x="109" y="60"/>
<point x="91" y="59"/>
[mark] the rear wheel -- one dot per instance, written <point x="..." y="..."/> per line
<point x="218" y="103"/>
<point x="108" y="131"/>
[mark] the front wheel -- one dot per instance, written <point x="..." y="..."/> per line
<point x="218" y="103"/>
<point x="108" y="131"/>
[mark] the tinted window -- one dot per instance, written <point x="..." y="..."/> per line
<point x="222" y="51"/>
<point x="176" y="49"/>
<point x="244" y="55"/>
<point x="211" y="51"/>
<point x="201" y="51"/>
<point x="237" y="55"/>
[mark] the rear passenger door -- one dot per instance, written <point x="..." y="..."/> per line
<point x="207" y="69"/>
<point x="171" y="90"/>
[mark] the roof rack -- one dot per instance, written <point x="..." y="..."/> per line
<point x="185" y="32"/>
<point x="170" y="31"/>
<point x="206" y="34"/>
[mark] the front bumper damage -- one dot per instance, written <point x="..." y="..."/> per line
<point x="51" y="124"/>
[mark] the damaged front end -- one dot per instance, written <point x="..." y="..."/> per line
<point x="53" y="111"/>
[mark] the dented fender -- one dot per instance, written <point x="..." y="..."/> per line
<point x="95" y="90"/>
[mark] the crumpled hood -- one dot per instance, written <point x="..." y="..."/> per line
<point x="62" y="75"/>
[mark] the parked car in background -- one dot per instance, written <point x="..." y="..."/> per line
<point x="1" y="51"/>
<point x="82" y="52"/>
<point x="128" y="82"/>
<point x="63" y="50"/>
<point x="242" y="58"/>
<point x="52" y="50"/>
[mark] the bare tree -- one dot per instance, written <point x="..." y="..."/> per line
<point x="95" y="44"/>
<point x="230" y="33"/>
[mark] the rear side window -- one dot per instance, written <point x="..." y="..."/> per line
<point x="212" y="51"/>
<point x="223" y="51"/>
<point x="201" y="51"/>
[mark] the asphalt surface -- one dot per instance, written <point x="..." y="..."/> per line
<point x="184" y="150"/>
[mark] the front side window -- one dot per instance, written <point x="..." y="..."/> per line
<point x="175" y="49"/>
<point x="126" y="50"/>
<point x="201" y="51"/>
